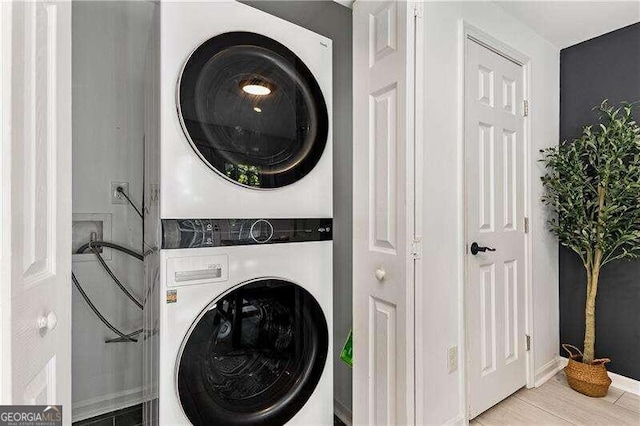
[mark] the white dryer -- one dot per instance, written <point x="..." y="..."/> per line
<point x="245" y="117"/>
<point x="245" y="325"/>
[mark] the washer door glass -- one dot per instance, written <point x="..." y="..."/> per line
<point x="253" y="356"/>
<point x="252" y="110"/>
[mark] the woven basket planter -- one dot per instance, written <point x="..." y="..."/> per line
<point x="588" y="379"/>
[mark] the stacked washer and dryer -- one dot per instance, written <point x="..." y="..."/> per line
<point x="238" y="209"/>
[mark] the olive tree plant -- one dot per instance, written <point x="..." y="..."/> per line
<point x="592" y="187"/>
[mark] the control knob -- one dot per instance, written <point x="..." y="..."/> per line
<point x="261" y="231"/>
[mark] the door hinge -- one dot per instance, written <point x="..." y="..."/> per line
<point x="526" y="225"/>
<point x="416" y="248"/>
<point x="526" y="107"/>
<point x="417" y="9"/>
<point x="528" y="342"/>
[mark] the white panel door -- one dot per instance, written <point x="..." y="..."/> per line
<point x="383" y="385"/>
<point x="36" y="316"/>
<point x="495" y="285"/>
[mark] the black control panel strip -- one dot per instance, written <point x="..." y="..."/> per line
<point x="197" y="233"/>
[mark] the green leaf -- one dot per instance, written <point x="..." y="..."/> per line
<point x="603" y="162"/>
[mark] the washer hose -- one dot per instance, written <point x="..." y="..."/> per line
<point x="98" y="314"/>
<point x="123" y="249"/>
<point x="93" y="245"/>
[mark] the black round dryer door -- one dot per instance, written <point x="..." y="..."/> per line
<point x="252" y="110"/>
<point x="254" y="356"/>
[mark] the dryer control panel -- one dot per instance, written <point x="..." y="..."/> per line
<point x="197" y="233"/>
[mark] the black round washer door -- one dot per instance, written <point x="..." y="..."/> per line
<point x="252" y="110"/>
<point x="253" y="356"/>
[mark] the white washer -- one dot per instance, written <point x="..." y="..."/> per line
<point x="245" y="114"/>
<point x="268" y="363"/>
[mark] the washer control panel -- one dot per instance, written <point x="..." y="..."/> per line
<point x="261" y="231"/>
<point x="196" y="233"/>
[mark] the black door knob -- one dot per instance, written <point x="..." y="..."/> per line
<point x="475" y="248"/>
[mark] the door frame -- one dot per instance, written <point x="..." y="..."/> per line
<point x="417" y="209"/>
<point x="5" y="203"/>
<point x="468" y="31"/>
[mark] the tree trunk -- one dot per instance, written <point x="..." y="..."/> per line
<point x="592" y="286"/>
<point x="590" y="313"/>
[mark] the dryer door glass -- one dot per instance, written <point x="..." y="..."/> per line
<point x="253" y="356"/>
<point x="252" y="110"/>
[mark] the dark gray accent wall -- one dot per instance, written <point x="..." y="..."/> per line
<point x="604" y="67"/>
<point x="333" y="20"/>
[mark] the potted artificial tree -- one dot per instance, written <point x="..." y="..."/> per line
<point x="592" y="187"/>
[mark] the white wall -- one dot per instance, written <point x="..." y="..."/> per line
<point x="109" y="42"/>
<point x="442" y="260"/>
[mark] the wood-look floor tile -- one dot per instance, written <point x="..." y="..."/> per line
<point x="515" y="411"/>
<point x="630" y="401"/>
<point x="612" y="395"/>
<point x="562" y="401"/>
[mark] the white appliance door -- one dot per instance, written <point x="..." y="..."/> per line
<point x="383" y="389"/>
<point x="252" y="110"/>
<point x="253" y="356"/>
<point x="495" y="292"/>
<point x="36" y="183"/>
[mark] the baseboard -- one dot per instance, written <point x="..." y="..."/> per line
<point x="456" y="421"/>
<point x="547" y="371"/>
<point x="623" y="383"/>
<point x="342" y="412"/>
<point x="92" y="407"/>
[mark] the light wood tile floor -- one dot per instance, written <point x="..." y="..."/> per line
<point x="555" y="403"/>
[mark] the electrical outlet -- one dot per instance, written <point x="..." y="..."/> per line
<point x="116" y="197"/>
<point x="452" y="359"/>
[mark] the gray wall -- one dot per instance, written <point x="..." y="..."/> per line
<point x="109" y="45"/>
<point x="606" y="67"/>
<point x="333" y="20"/>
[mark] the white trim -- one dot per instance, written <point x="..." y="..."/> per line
<point x="342" y="412"/>
<point x="345" y="3"/>
<point x="469" y="31"/>
<point x="461" y="217"/>
<point x="547" y="371"/>
<point x="115" y="401"/>
<point x="412" y="264"/>
<point x="457" y="420"/>
<point x="420" y="375"/>
<point x="618" y="381"/>
<point x="624" y="383"/>
<point x="5" y="203"/>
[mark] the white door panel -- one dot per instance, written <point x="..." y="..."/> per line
<point x="383" y="213"/>
<point x="495" y="292"/>
<point x="37" y="319"/>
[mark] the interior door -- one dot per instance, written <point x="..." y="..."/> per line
<point x="383" y="371"/>
<point x="36" y="316"/>
<point x="495" y="284"/>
